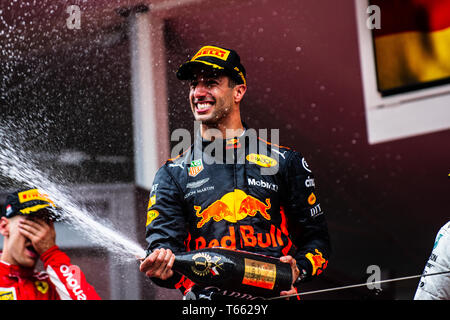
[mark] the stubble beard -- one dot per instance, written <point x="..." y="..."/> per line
<point x="221" y="110"/>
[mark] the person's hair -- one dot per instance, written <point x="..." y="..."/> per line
<point x="231" y="82"/>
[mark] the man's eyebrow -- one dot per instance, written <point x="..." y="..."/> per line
<point x="211" y="78"/>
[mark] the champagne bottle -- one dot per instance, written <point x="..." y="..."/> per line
<point x="239" y="271"/>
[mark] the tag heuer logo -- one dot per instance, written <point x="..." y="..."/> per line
<point x="196" y="167"/>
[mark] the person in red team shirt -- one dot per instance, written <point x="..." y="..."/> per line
<point x="29" y="235"/>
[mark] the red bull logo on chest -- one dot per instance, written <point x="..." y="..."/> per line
<point x="232" y="207"/>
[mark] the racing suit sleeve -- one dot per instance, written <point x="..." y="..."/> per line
<point x="166" y="225"/>
<point x="437" y="287"/>
<point x="306" y="220"/>
<point x="69" y="281"/>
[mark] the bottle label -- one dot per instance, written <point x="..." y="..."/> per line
<point x="205" y="265"/>
<point x="259" y="274"/>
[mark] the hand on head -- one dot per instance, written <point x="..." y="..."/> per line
<point x="42" y="234"/>
<point x="25" y="239"/>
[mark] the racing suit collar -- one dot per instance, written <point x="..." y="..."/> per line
<point x="206" y="149"/>
<point x="15" y="271"/>
<point x="198" y="136"/>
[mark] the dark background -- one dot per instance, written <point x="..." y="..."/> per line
<point x="385" y="202"/>
<point x="70" y="91"/>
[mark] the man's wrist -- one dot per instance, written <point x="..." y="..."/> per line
<point x="47" y="253"/>
<point x="301" y="277"/>
<point x="44" y="247"/>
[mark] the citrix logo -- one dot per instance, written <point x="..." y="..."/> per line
<point x="72" y="275"/>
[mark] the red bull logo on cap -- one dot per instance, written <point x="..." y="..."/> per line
<point x="233" y="206"/>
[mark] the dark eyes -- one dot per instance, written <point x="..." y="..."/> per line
<point x="211" y="82"/>
<point x="208" y="83"/>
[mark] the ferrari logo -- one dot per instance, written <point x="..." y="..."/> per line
<point x="42" y="286"/>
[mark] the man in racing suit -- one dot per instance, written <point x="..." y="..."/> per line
<point x="29" y="234"/>
<point x="437" y="287"/>
<point x="217" y="193"/>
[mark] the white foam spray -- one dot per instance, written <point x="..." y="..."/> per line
<point x="20" y="165"/>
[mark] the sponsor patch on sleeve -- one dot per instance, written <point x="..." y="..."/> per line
<point x="319" y="263"/>
<point x="151" y="202"/>
<point x="8" y="293"/>
<point x="151" y="215"/>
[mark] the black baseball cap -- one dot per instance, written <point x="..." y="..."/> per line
<point x="28" y="202"/>
<point x="215" y="57"/>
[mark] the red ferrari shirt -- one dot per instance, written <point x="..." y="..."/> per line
<point x="60" y="281"/>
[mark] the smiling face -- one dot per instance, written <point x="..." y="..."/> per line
<point x="211" y="98"/>
<point x="17" y="249"/>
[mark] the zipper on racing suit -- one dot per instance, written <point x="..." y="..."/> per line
<point x="235" y="185"/>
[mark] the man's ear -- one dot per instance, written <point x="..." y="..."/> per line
<point x="4" y="226"/>
<point x="239" y="91"/>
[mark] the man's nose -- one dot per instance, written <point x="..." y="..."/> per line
<point x="200" y="90"/>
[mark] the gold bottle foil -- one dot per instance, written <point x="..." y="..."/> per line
<point x="259" y="274"/>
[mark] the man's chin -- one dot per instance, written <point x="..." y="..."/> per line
<point x="29" y="259"/>
<point x="208" y="120"/>
<point x="28" y="263"/>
